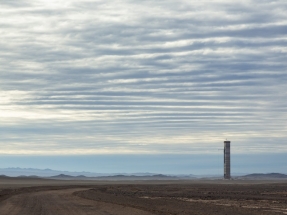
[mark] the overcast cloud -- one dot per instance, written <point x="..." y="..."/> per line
<point x="129" y="76"/>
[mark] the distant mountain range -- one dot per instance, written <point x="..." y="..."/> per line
<point x="66" y="175"/>
<point x="16" y="172"/>
<point x="265" y="176"/>
<point x="116" y="177"/>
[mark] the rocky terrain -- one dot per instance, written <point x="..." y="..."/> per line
<point x="23" y="196"/>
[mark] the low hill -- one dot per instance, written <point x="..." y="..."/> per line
<point x="114" y="177"/>
<point x="266" y="176"/>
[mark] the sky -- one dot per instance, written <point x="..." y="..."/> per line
<point x="125" y="78"/>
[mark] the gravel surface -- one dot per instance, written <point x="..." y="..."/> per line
<point x="196" y="199"/>
<point x="143" y="198"/>
<point x="61" y="202"/>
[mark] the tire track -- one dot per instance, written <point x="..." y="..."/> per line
<point x="61" y="202"/>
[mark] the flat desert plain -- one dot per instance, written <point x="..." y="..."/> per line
<point x="24" y="196"/>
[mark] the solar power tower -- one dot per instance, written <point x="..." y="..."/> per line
<point x="227" y="160"/>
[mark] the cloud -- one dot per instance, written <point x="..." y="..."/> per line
<point x="88" y="77"/>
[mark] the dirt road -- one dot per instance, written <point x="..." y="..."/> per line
<point x="145" y="198"/>
<point x="61" y="202"/>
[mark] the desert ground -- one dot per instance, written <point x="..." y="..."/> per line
<point x="24" y="196"/>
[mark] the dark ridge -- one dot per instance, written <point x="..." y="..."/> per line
<point x="29" y="176"/>
<point x="268" y="175"/>
<point x="62" y="176"/>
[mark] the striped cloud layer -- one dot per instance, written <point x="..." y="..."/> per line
<point x="130" y="76"/>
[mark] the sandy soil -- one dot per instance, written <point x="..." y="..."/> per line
<point x="61" y="202"/>
<point x="205" y="199"/>
<point x="143" y="198"/>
